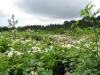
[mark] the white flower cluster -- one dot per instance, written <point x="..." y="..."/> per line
<point x="33" y="73"/>
<point x="49" y="49"/>
<point x="35" y="49"/>
<point x="26" y="41"/>
<point x="67" y="45"/>
<point x="15" y="41"/>
<point x="12" y="52"/>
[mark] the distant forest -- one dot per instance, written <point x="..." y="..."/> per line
<point x="83" y="23"/>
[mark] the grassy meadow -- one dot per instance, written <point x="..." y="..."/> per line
<point x="28" y="52"/>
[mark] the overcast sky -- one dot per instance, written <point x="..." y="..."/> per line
<point x="30" y="12"/>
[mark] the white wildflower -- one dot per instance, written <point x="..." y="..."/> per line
<point x="69" y="45"/>
<point x="15" y="41"/>
<point x="46" y="50"/>
<point x="87" y="45"/>
<point x="51" y="47"/>
<point x="77" y="47"/>
<point x="29" y="51"/>
<point x="33" y="73"/>
<point x="26" y="41"/>
<point x="35" y="49"/>
<point x="98" y="44"/>
<point x="78" y="42"/>
<point x="12" y="49"/>
<point x="10" y="53"/>
<point x="23" y="42"/>
<point x="63" y="45"/>
<point x="18" y="53"/>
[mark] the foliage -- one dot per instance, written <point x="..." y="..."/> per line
<point x="89" y="65"/>
<point x="4" y="45"/>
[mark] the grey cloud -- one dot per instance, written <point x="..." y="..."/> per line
<point x="2" y="14"/>
<point x="53" y="8"/>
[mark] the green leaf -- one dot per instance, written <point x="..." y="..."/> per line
<point x="82" y="12"/>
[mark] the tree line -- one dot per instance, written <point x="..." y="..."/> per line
<point x="82" y="23"/>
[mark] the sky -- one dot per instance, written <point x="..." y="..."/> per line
<point x="44" y="12"/>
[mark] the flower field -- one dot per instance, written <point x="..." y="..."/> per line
<point x="35" y="52"/>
